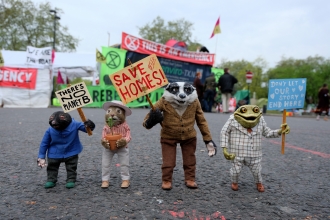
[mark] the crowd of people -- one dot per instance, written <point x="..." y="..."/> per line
<point x="213" y="92"/>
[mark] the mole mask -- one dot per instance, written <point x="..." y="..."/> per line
<point x="60" y="120"/>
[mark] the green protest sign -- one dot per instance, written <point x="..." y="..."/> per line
<point x="115" y="61"/>
<point x="217" y="73"/>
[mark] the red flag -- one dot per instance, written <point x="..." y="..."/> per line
<point x="216" y="29"/>
<point x="59" y="78"/>
<point x="53" y="55"/>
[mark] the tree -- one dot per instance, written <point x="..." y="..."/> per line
<point x="315" y="69"/>
<point x="239" y="68"/>
<point x="24" y="23"/>
<point x="160" y="32"/>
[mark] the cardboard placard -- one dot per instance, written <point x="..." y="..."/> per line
<point x="286" y="93"/>
<point x="74" y="97"/>
<point x="139" y="79"/>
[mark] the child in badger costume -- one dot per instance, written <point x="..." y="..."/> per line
<point x="178" y="110"/>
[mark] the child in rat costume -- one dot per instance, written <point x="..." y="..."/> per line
<point x="61" y="144"/>
<point x="242" y="135"/>
<point x="117" y="112"/>
<point x="178" y="110"/>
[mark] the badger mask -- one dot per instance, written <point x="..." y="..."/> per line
<point x="180" y="95"/>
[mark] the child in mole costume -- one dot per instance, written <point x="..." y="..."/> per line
<point x="61" y="144"/>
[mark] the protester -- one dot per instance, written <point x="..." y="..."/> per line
<point x="323" y="104"/>
<point x="199" y="87"/>
<point x="209" y="92"/>
<point x="226" y="85"/>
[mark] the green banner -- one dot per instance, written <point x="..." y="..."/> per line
<point x="101" y="94"/>
<point x="115" y="61"/>
<point x="217" y="73"/>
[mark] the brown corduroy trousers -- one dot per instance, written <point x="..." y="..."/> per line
<point x="188" y="148"/>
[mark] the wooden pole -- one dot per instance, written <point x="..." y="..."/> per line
<point x="83" y="117"/>
<point x="283" y="135"/>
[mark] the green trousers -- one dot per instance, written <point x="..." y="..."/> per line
<point x="70" y="165"/>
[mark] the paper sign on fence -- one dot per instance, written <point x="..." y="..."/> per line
<point x="73" y="97"/>
<point x="139" y="79"/>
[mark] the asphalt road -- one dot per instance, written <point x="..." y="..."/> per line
<point x="296" y="183"/>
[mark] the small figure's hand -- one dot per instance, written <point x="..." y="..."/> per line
<point x="41" y="162"/>
<point x="155" y="117"/>
<point x="211" y="148"/>
<point x="285" y="129"/>
<point x="105" y="143"/>
<point x="89" y="124"/>
<point x="121" y="143"/>
<point x="227" y="155"/>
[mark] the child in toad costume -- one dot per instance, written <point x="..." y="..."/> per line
<point x="242" y="136"/>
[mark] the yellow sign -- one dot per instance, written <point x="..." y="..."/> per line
<point x="2" y="61"/>
<point x="139" y="79"/>
<point x="73" y="97"/>
<point x="99" y="57"/>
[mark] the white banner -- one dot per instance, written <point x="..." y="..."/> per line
<point x="39" y="56"/>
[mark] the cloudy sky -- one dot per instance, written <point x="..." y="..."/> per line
<point x="249" y="28"/>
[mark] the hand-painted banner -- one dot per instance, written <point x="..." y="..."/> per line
<point x="286" y="93"/>
<point x="39" y="56"/>
<point x="139" y="45"/>
<point x="73" y="97"/>
<point x="18" y="77"/>
<point x="139" y="79"/>
<point x="175" y="70"/>
<point x="115" y="60"/>
<point x="101" y="94"/>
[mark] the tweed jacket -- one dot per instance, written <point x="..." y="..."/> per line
<point x="242" y="143"/>
<point x="179" y="127"/>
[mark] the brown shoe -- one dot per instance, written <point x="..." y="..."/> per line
<point x="191" y="184"/>
<point x="234" y="186"/>
<point x="125" y="184"/>
<point x="105" y="184"/>
<point x="166" y="185"/>
<point x="260" y="187"/>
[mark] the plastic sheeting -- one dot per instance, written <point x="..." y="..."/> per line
<point x="27" y="98"/>
<point x="71" y="64"/>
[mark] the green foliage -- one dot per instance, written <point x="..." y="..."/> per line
<point x="110" y="123"/>
<point x="79" y="79"/>
<point x="315" y="69"/>
<point x="160" y="32"/>
<point x="24" y="23"/>
<point x="239" y="68"/>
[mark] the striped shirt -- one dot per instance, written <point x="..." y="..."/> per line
<point x="122" y="129"/>
<point x="242" y="143"/>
